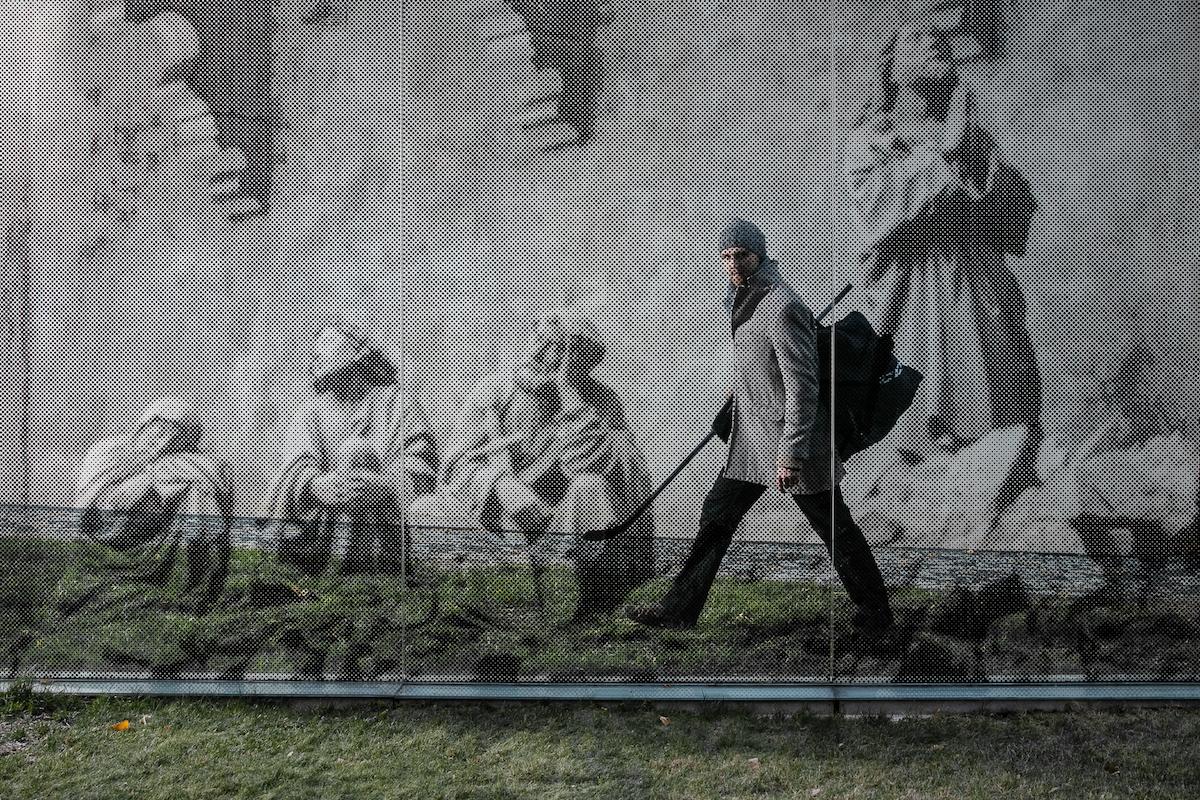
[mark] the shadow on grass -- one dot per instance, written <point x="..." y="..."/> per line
<point x="444" y="621"/>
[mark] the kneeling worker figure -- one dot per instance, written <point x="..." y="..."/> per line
<point x="778" y="435"/>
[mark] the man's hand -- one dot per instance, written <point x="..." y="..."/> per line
<point x="130" y="493"/>
<point x="965" y="143"/>
<point x="374" y="488"/>
<point x="958" y="120"/>
<point x="789" y="478"/>
<point x="522" y="504"/>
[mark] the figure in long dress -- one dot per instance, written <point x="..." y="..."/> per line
<point x="155" y="508"/>
<point x="941" y="211"/>
<point x="353" y="457"/>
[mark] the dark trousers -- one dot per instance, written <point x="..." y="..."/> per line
<point x="725" y="505"/>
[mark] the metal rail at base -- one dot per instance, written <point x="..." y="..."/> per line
<point x="684" y="692"/>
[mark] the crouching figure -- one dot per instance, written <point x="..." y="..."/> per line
<point x="352" y="459"/>
<point x="156" y="510"/>
<point x="544" y="447"/>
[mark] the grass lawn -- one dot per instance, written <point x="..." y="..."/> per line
<point x="178" y="749"/>
<point x="64" y="612"/>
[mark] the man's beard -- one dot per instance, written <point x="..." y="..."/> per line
<point x="739" y="277"/>
<point x="937" y="92"/>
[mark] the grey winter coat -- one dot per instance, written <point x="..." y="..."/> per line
<point x="777" y="416"/>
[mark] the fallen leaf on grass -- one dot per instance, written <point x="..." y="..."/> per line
<point x="814" y="791"/>
<point x="123" y="725"/>
<point x="665" y="721"/>
<point x="754" y="763"/>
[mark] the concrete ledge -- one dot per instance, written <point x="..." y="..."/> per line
<point x="816" y="698"/>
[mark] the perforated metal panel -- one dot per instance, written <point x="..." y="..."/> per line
<point x="322" y="369"/>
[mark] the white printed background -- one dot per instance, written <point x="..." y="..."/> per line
<point x="708" y="109"/>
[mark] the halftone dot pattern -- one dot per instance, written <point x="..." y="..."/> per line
<point x="332" y="324"/>
<point x="1052" y="298"/>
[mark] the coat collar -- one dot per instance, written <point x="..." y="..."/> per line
<point x="765" y="277"/>
<point x="756" y="286"/>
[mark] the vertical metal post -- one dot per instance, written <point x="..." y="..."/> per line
<point x="832" y="339"/>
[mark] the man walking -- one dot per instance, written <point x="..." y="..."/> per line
<point x="778" y="435"/>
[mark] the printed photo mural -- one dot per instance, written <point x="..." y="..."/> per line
<point x="566" y="342"/>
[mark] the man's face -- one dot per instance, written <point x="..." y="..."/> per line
<point x="545" y="353"/>
<point x="921" y="61"/>
<point x="739" y="263"/>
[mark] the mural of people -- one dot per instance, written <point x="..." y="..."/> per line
<point x="546" y="446"/>
<point x="155" y="508"/>
<point x="147" y="191"/>
<point x="940" y="212"/>
<point x="353" y="457"/>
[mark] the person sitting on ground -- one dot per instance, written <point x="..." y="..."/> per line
<point x="352" y="459"/>
<point x="148" y="493"/>
<point x="546" y="447"/>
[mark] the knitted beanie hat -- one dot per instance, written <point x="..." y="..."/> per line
<point x="740" y="233"/>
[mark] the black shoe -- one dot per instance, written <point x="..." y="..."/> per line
<point x="655" y="616"/>
<point x="873" y="620"/>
